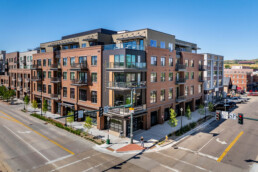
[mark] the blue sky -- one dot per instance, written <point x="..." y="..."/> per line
<point x="225" y="27"/>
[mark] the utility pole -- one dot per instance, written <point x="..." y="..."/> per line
<point x="131" y="115"/>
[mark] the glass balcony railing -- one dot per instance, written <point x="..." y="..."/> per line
<point x="128" y="85"/>
<point x="124" y="46"/>
<point x="123" y="65"/>
<point x="79" y="82"/>
<point x="124" y="111"/>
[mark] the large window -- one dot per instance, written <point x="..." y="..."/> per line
<point x="64" y="61"/>
<point x="162" y="95"/>
<point x="162" y="44"/>
<point x="153" y="77"/>
<point x="94" y="77"/>
<point x="72" y="60"/>
<point x="130" y="60"/>
<point x="186" y="90"/>
<point x="44" y="74"/>
<point x="83" y="76"/>
<point x="153" y="97"/>
<point x="119" y="60"/>
<point x="83" y="45"/>
<point x="199" y="88"/>
<point x="64" y="92"/>
<point x="49" y="62"/>
<point x="163" y="61"/>
<point x="170" y="76"/>
<point x="186" y="63"/>
<point x="170" y="93"/>
<point x="49" y="74"/>
<point x="154" y="61"/>
<point x="49" y="89"/>
<point x="192" y="75"/>
<point x="187" y="75"/>
<point x="192" y="63"/>
<point x="44" y="88"/>
<point x="192" y="90"/>
<point x="65" y="75"/>
<point x="82" y="94"/>
<point x="153" y="43"/>
<point x="83" y="59"/>
<point x="94" y="60"/>
<point x="162" y="77"/>
<point x="72" y="94"/>
<point x="170" y="47"/>
<point x="94" y="97"/>
<point x="44" y="62"/>
<point x="72" y="76"/>
<point x="170" y="61"/>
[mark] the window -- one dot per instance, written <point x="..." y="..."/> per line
<point x="44" y="88"/>
<point x="170" y="61"/>
<point x="192" y="63"/>
<point x="64" y="61"/>
<point x="162" y="95"/>
<point x="49" y="74"/>
<point x="187" y="75"/>
<point x="192" y="90"/>
<point x="93" y="60"/>
<point x="186" y="63"/>
<point x="163" y="61"/>
<point x="153" y="97"/>
<point x="199" y="88"/>
<point x="44" y="62"/>
<point x="154" y="61"/>
<point x="170" y="76"/>
<point x="72" y="60"/>
<point x="162" y="77"/>
<point x="153" y="77"/>
<point x="72" y="76"/>
<point x="43" y="50"/>
<point x="83" y="59"/>
<point x="83" y="45"/>
<point x="186" y="90"/>
<point x="82" y="94"/>
<point x="153" y="43"/>
<point x="162" y="44"/>
<point x="72" y="95"/>
<point x="49" y="62"/>
<point x="49" y="89"/>
<point x="64" y="91"/>
<point x="192" y="75"/>
<point x="65" y="75"/>
<point x="94" y="97"/>
<point x="94" y="77"/>
<point x="44" y="74"/>
<point x="170" y="47"/>
<point x="170" y="93"/>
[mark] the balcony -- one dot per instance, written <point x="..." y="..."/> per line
<point x="55" y="67"/>
<point x="180" y="99"/>
<point x="178" y="54"/>
<point x="20" y="79"/>
<point x="55" y="96"/>
<point x="124" y="111"/>
<point x="78" y="82"/>
<point x="127" y="85"/>
<point x="79" y="66"/>
<point x="124" y="46"/>
<point x="202" y="67"/>
<point x="19" y="88"/>
<point x="126" y="66"/>
<point x="14" y="79"/>
<point x="180" y="67"/>
<point x="180" y="81"/>
<point x="55" y="80"/>
<point x="27" y="79"/>
<point x="200" y="79"/>
<point x="27" y="89"/>
<point x="35" y="67"/>
<point x="36" y="78"/>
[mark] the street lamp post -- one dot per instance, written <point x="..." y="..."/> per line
<point x="108" y="140"/>
<point x="181" y="109"/>
<point x="131" y="116"/>
<point x="205" y="102"/>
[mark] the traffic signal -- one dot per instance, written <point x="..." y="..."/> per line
<point x="240" y="118"/>
<point x="217" y="116"/>
<point x="100" y="111"/>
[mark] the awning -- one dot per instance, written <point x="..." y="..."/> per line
<point x="67" y="105"/>
<point x="133" y="37"/>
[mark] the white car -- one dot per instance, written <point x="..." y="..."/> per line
<point x="236" y="100"/>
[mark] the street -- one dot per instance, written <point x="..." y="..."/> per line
<point x="29" y="144"/>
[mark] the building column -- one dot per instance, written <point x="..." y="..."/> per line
<point x="100" y="122"/>
<point x="161" y="115"/>
<point x="53" y="110"/>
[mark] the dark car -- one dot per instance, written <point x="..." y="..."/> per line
<point x="231" y="103"/>
<point x="222" y="106"/>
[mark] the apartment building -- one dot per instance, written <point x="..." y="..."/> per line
<point x="213" y="77"/>
<point x="158" y="70"/>
<point x="2" y="62"/>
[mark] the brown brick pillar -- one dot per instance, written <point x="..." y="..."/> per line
<point x="148" y="120"/>
<point x="53" y="110"/>
<point x="100" y="122"/>
<point x="161" y="115"/>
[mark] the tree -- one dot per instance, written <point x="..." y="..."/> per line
<point x="201" y="109"/>
<point x="227" y="66"/>
<point x="70" y="119"/>
<point x="45" y="106"/>
<point x="172" y="120"/>
<point x="88" y="123"/>
<point x="6" y="96"/>
<point x="3" y="89"/>
<point x="26" y="100"/>
<point x="11" y="94"/>
<point x="34" y="105"/>
<point x="188" y="112"/>
<point x="210" y="107"/>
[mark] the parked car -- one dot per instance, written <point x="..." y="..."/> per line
<point x="228" y="101"/>
<point x="236" y="100"/>
<point x="221" y="106"/>
<point x="244" y="98"/>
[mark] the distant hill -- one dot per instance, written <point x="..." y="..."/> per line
<point x="236" y="61"/>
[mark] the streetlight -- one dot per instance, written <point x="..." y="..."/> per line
<point x="108" y="140"/>
<point x="205" y="103"/>
<point x="131" y="115"/>
<point x="181" y="109"/>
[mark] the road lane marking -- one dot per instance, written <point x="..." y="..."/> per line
<point x="199" y="153"/>
<point x="230" y="146"/>
<point x="205" y="144"/>
<point x="59" y="159"/>
<point x="196" y="166"/>
<point x="172" y="169"/>
<point x="28" y="144"/>
<point x="52" y="141"/>
<point x="7" y="118"/>
<point x="222" y="142"/>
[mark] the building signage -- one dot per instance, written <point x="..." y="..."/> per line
<point x="80" y="114"/>
<point x="224" y="115"/>
<point x="232" y="116"/>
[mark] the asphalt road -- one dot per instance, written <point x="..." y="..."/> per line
<point x="28" y="144"/>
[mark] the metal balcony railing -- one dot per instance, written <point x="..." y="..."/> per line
<point x="79" y="66"/>
<point x="201" y="79"/>
<point x="27" y="79"/>
<point x="180" y="67"/>
<point x="55" y="66"/>
<point x="202" y="67"/>
<point x="36" y="78"/>
<point x="180" y="99"/>
<point x="124" y="46"/>
<point x="79" y="82"/>
<point x="55" y="96"/>
<point x="180" y="80"/>
<point x="19" y="88"/>
<point x="123" y="65"/>
<point x="19" y="79"/>
<point x="56" y="79"/>
<point x="35" y="67"/>
<point x="128" y="85"/>
<point x="124" y="111"/>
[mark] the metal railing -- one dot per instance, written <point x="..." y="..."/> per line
<point x="128" y="85"/>
<point x="180" y="67"/>
<point x="200" y="79"/>
<point x="180" y="80"/>
<point x="27" y="79"/>
<point x="180" y="98"/>
<point x="35" y="66"/>
<point x="35" y="78"/>
<point x="55" y="96"/>
<point x="56" y="79"/>
<point x="19" y="79"/>
<point x="78" y="82"/>
<point x="55" y="66"/>
<point x="123" y="111"/>
<point x="123" y="65"/>
<point x="124" y="46"/>
<point x="202" y="67"/>
<point x="27" y="89"/>
<point x="79" y="65"/>
<point x="19" y="88"/>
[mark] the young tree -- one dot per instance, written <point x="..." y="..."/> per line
<point x="3" y="89"/>
<point x="88" y="123"/>
<point x="34" y="105"/>
<point x="11" y="95"/>
<point x="26" y="100"/>
<point x="188" y="112"/>
<point x="70" y="119"/>
<point x="45" y="106"/>
<point x="172" y="120"/>
<point x="201" y="109"/>
<point x="210" y="107"/>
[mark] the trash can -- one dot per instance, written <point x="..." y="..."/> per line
<point x="108" y="141"/>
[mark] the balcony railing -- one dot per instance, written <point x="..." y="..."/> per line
<point x="27" y="89"/>
<point x="78" y="82"/>
<point x="201" y="79"/>
<point x="55" y="66"/>
<point x="123" y="46"/>
<point x="14" y="79"/>
<point x="124" y="111"/>
<point x="180" y="67"/>
<point x="56" y="79"/>
<point x="180" y="81"/>
<point x="180" y="99"/>
<point x="79" y="66"/>
<point x="202" y="67"/>
<point x="35" y="67"/>
<point x="19" y="79"/>
<point x="27" y="79"/>
<point x="55" y="96"/>
<point x="122" y="65"/>
<point x="36" y="78"/>
<point x="127" y="85"/>
<point x="19" y="88"/>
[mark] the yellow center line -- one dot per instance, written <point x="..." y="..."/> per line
<point x="52" y="141"/>
<point x="230" y="146"/>
<point x="7" y="118"/>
